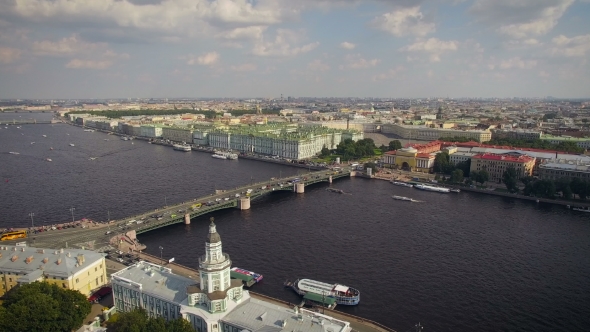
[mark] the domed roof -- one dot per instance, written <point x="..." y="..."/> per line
<point x="409" y="150"/>
<point x="213" y="236"/>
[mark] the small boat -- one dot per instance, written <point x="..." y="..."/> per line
<point x="92" y="158"/>
<point x="455" y="190"/>
<point x="343" y="295"/>
<point x="334" y="190"/>
<point x="48" y="159"/>
<point x="125" y="138"/>
<point x="402" y="198"/>
<point x="106" y="139"/>
<point x="51" y="148"/>
<point x="44" y="135"/>
<point x="89" y="130"/>
<point x="32" y="142"/>
<point x="582" y="209"/>
<point x="224" y="155"/>
<point x="402" y="184"/>
<point x="182" y="147"/>
<point x="432" y="188"/>
<point x="72" y="144"/>
<point x="13" y="152"/>
<point x="257" y="277"/>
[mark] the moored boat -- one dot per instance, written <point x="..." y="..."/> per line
<point x="343" y="295"/>
<point x="257" y="276"/>
<point x="224" y="155"/>
<point x="182" y="147"/>
<point x="455" y="190"/>
<point x="401" y="184"/>
<point x="581" y="209"/>
<point x="432" y="188"/>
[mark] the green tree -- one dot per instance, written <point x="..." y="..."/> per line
<point x="395" y="145"/>
<point x="441" y="162"/>
<point x="457" y="176"/>
<point x="480" y="176"/>
<point x="41" y="306"/>
<point x="465" y="166"/>
<point x="567" y="192"/>
<point x="133" y="321"/>
<point x="325" y="152"/>
<point x="527" y="180"/>
<point x="179" y="325"/>
<point x="158" y="324"/>
<point x="372" y="166"/>
<point x="510" y="179"/>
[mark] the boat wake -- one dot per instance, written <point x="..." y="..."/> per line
<point x="407" y="199"/>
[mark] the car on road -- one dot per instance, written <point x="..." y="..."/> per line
<point x="108" y="232"/>
<point x="218" y="199"/>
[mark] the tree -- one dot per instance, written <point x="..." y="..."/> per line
<point x="510" y="179"/>
<point x="179" y="325"/>
<point x="41" y="306"/>
<point x="465" y="166"/>
<point x="480" y="177"/>
<point x="441" y="162"/>
<point x="372" y="166"/>
<point x="138" y="321"/>
<point x="457" y="176"/>
<point x="395" y="145"/>
<point x="325" y="152"/>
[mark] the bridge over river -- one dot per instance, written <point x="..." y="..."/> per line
<point x="108" y="234"/>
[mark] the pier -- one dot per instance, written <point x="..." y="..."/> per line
<point x="124" y="231"/>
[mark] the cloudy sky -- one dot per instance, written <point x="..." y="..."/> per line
<point x="264" y="48"/>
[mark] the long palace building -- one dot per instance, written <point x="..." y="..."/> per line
<point x="215" y="303"/>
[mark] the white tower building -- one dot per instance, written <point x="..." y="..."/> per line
<point x="216" y="287"/>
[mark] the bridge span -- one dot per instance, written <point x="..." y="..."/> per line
<point x="109" y="234"/>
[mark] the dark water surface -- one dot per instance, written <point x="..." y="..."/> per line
<point x="454" y="262"/>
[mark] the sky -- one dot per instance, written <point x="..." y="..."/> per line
<point x="301" y="48"/>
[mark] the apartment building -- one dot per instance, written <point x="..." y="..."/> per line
<point x="496" y="164"/>
<point x="178" y="134"/>
<point x="562" y="168"/>
<point x="81" y="270"/>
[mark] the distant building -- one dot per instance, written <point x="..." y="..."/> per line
<point x="516" y="134"/>
<point x="420" y="132"/>
<point x="151" y="131"/>
<point x="560" y="168"/>
<point x="76" y="269"/>
<point x="497" y="164"/>
<point x="177" y="134"/>
<point x="581" y="142"/>
<point x="214" y="303"/>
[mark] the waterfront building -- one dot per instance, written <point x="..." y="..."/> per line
<point x="517" y="134"/>
<point x="409" y="159"/>
<point x="216" y="303"/>
<point x="151" y="131"/>
<point x="422" y="132"/>
<point x="289" y="141"/>
<point x="178" y="134"/>
<point x="496" y="164"/>
<point x="563" y="168"/>
<point x="76" y="269"/>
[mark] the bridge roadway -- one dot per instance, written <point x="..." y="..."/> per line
<point x="96" y="237"/>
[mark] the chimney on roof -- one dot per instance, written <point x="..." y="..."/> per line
<point x="14" y="258"/>
<point x="29" y="259"/>
<point x="45" y="260"/>
<point x="22" y="249"/>
<point x="58" y="261"/>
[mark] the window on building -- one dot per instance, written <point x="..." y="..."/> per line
<point x="64" y="285"/>
<point x="77" y="280"/>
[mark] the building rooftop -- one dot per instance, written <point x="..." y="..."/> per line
<point x="505" y="157"/>
<point x="155" y="280"/>
<point x="260" y="316"/>
<point x="61" y="263"/>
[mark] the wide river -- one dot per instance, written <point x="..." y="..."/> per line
<point x="453" y="262"/>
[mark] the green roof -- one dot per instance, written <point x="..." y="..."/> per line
<point x="319" y="298"/>
<point x="240" y="276"/>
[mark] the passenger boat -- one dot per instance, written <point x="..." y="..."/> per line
<point x="125" y="138"/>
<point x="11" y="152"/>
<point x="402" y="184"/>
<point x="343" y="295"/>
<point x="402" y="198"/>
<point x="72" y="144"/>
<point x="581" y="209"/>
<point x="182" y="147"/>
<point x="258" y="277"/>
<point x="224" y="155"/>
<point x="432" y="188"/>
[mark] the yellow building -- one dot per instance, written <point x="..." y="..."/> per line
<point x="81" y="270"/>
<point x="409" y="159"/>
<point x="497" y="164"/>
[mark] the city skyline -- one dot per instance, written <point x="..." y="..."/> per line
<point x="239" y="48"/>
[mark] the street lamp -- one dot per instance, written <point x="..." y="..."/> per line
<point x="32" y="215"/>
<point x="72" y="210"/>
<point x="161" y="259"/>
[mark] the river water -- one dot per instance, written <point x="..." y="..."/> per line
<point x="453" y="262"/>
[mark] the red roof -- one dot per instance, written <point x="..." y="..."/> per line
<point x="424" y="155"/>
<point x="472" y="144"/>
<point x="493" y="156"/>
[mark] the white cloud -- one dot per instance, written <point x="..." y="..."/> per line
<point x="252" y="32"/>
<point x="522" y="18"/>
<point x="571" y="47"/>
<point x="403" y="22"/>
<point x="432" y="46"/>
<point x="347" y="45"/>
<point x="207" y="59"/>
<point x="9" y="55"/>
<point x="281" y="46"/>
<point x="355" y="61"/>
<point x="317" y="66"/>
<point x="518" y="63"/>
<point x="88" y="64"/>
<point x="244" y="67"/>
<point x="392" y="73"/>
<point x="66" y="46"/>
